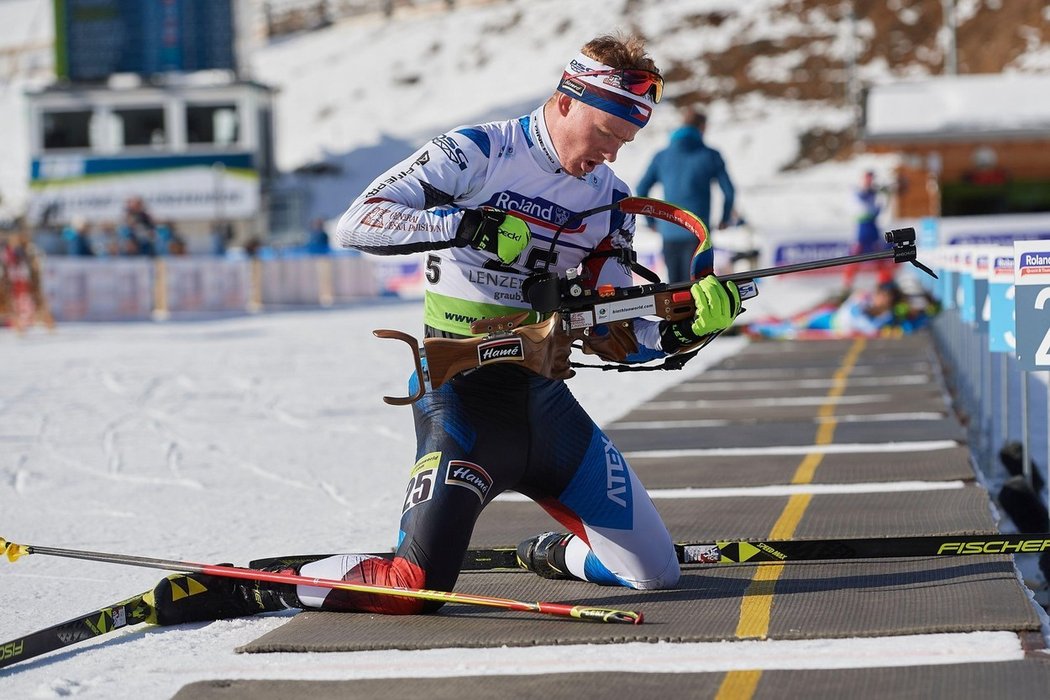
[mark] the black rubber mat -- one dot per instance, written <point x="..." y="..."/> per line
<point x="923" y="386"/>
<point x="783" y="433"/>
<point x="883" y="363"/>
<point x="730" y="471"/>
<point x="953" y="511"/>
<point x="876" y="402"/>
<point x="811" y="601"/>
<point x="1018" y="680"/>
<point x="722" y="373"/>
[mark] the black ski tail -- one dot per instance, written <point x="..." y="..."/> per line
<point x="133" y="611"/>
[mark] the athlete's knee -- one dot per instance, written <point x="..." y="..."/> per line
<point x="667" y="577"/>
<point x="370" y="571"/>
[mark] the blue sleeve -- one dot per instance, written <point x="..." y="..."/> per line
<point x="650" y="178"/>
<point x="728" y="192"/>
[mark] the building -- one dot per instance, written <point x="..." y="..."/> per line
<point x="969" y="144"/>
<point x="200" y="156"/>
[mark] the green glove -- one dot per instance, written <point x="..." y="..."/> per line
<point x="717" y="304"/>
<point x="494" y="231"/>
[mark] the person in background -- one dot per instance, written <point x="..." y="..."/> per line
<point x="77" y="237"/>
<point x="868" y="203"/>
<point x="317" y="239"/>
<point x="686" y="169"/>
<point x="169" y="241"/>
<point x="138" y="234"/>
<point x="22" y="299"/>
<point x="884" y="311"/>
<point x="483" y="202"/>
<point x="108" y="240"/>
<point x="221" y="237"/>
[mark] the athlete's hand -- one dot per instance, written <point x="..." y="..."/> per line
<point x="494" y="231"/>
<point x="717" y="304"/>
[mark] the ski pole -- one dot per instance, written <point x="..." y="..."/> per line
<point x="15" y="551"/>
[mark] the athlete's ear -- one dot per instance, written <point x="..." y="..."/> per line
<point x="564" y="104"/>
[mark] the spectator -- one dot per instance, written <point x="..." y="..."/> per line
<point x="686" y="168"/>
<point x="139" y="232"/>
<point x="127" y="241"/>
<point x="168" y="240"/>
<point x="317" y="239"/>
<point x="136" y="214"/>
<point x="22" y="298"/>
<point x="110" y="240"/>
<point x="221" y="237"/>
<point x="77" y="237"/>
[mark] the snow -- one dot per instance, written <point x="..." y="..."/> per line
<point x="960" y="104"/>
<point x="232" y="439"/>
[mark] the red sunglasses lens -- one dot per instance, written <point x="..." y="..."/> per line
<point x="636" y="82"/>
<point x="643" y="83"/>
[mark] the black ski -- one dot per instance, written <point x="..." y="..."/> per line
<point x="96" y="623"/>
<point x="741" y="551"/>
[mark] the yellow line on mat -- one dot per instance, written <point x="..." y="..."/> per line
<point x="757" y="605"/>
<point x="738" y="684"/>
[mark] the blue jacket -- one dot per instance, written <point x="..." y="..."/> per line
<point x="686" y="169"/>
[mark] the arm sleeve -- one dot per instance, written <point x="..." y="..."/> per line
<point x="650" y="178"/>
<point x="411" y="207"/>
<point x="728" y="192"/>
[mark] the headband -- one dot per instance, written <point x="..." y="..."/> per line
<point x="606" y="91"/>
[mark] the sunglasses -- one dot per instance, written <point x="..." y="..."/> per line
<point x="636" y="82"/>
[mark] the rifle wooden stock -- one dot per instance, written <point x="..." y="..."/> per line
<point x="542" y="347"/>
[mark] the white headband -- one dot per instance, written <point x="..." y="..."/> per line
<point x="603" y="92"/>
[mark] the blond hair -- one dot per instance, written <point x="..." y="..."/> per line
<point x="626" y="52"/>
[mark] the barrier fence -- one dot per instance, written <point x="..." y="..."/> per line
<point x="135" y="289"/>
<point x="993" y="335"/>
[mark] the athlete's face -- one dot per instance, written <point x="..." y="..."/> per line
<point x="586" y="137"/>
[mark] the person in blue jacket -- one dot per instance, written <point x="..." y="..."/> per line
<point x="686" y="168"/>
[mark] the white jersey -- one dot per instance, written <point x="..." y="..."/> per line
<point x="511" y="165"/>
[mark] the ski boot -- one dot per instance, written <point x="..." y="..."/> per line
<point x="544" y="555"/>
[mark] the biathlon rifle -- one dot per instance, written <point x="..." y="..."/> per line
<point x="575" y="308"/>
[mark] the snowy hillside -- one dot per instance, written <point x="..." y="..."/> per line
<point x="773" y="74"/>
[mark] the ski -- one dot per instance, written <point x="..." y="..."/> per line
<point x="15" y="551"/>
<point x="133" y="611"/>
<point x="738" y="552"/>
<point x="754" y="551"/>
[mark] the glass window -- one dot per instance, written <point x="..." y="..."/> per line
<point x="141" y="127"/>
<point x="216" y="124"/>
<point x="67" y="129"/>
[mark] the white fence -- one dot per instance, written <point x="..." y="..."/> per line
<point x="110" y="289"/>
